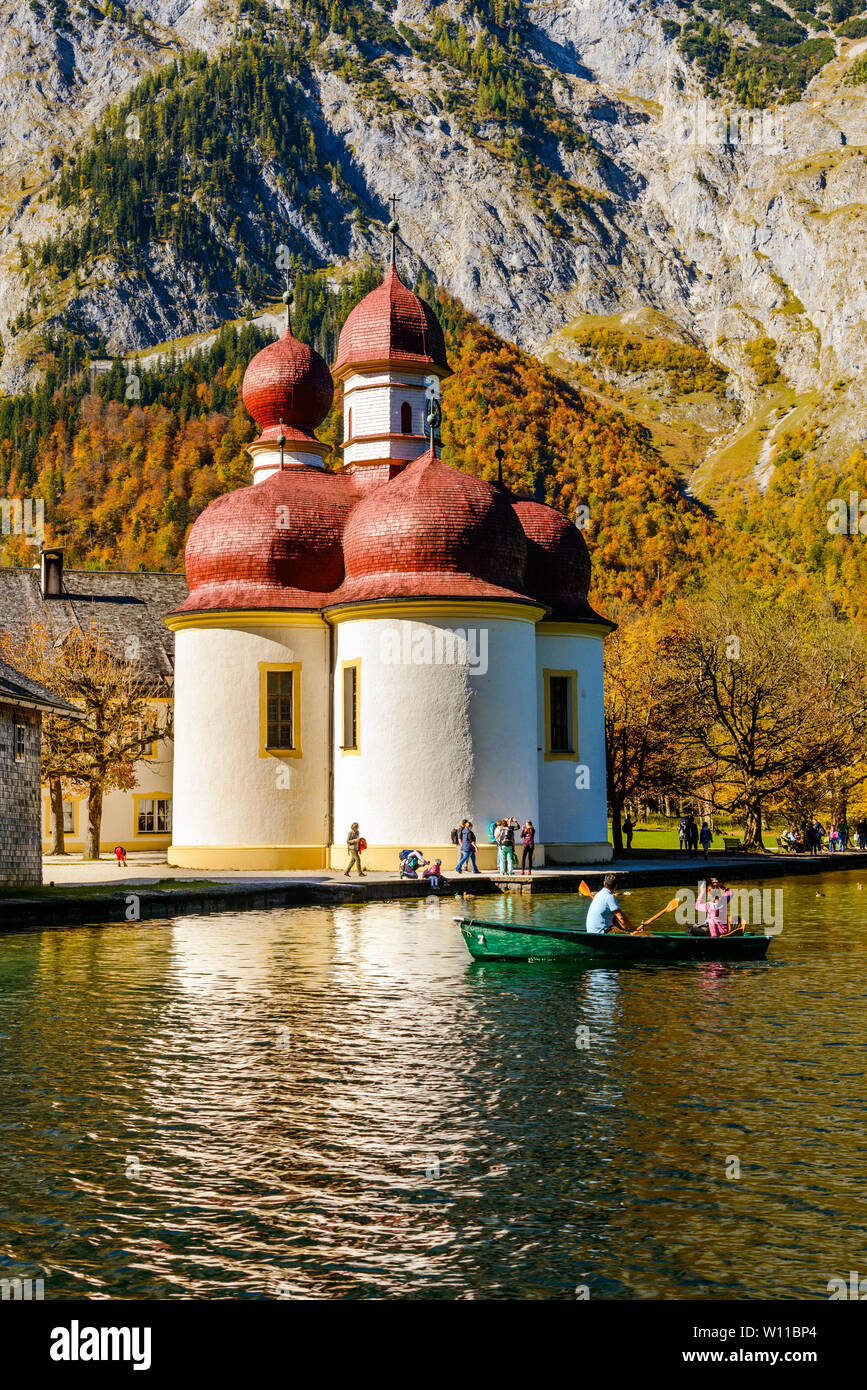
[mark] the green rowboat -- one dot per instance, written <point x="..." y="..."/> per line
<point x="501" y="941"/>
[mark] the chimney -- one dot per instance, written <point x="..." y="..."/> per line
<point x="51" y="573"/>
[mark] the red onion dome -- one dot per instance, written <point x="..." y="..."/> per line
<point x="276" y="544"/>
<point x="433" y="532"/>
<point x="558" y="562"/>
<point x="391" y="324"/>
<point x="288" y="381"/>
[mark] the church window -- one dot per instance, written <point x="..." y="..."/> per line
<point x="20" y="743"/>
<point x="153" y="815"/>
<point x="406" y="418"/>
<point x="279" y="709"/>
<point x="561" y="714"/>
<point x="349" y="423"/>
<point x="351" y="708"/>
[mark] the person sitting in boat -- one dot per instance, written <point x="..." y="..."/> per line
<point x="714" y="900"/>
<point x="604" y="912"/>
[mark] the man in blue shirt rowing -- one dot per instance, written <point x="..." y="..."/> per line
<point x="604" y="913"/>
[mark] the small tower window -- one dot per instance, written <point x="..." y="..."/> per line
<point x="349" y="423"/>
<point x="350" y="707"/>
<point x="406" y="418"/>
<point x="561" y="714"/>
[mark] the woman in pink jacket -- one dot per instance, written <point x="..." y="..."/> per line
<point x="714" y="900"/>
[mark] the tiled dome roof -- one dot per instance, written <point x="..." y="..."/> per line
<point x="288" y="381"/>
<point x="391" y="324"/>
<point x="276" y="544"/>
<point x="433" y="532"/>
<point x="558" y="562"/>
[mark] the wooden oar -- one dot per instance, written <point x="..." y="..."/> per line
<point x="585" y="890"/>
<point x="669" y="907"/>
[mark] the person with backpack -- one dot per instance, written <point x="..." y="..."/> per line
<point x="411" y="860"/>
<point x="512" y="824"/>
<point x="467" y="848"/>
<point x="500" y="841"/>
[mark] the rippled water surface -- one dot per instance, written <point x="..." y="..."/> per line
<point x="318" y="1103"/>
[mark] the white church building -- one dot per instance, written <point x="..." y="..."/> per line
<point x="396" y="643"/>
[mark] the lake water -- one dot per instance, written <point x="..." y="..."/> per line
<point x="339" y="1103"/>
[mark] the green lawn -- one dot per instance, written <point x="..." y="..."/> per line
<point x="665" y="837"/>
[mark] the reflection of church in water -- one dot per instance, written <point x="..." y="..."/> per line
<point x="396" y="643"/>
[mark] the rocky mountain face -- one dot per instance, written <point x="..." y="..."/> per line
<point x="739" y="230"/>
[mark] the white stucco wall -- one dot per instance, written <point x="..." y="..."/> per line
<point x="572" y="815"/>
<point x="436" y="742"/>
<point x="225" y="794"/>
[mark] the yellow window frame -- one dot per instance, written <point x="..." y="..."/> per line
<point x="264" y="668"/>
<point x="559" y="755"/>
<point x="150" y="796"/>
<point x="76" y="802"/>
<point x="345" y="666"/>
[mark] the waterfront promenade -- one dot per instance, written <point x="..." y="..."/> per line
<point x="77" y="893"/>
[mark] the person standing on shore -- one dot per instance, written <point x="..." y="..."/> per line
<point x="528" y="837"/>
<point x="353" y="845"/>
<point x="705" y="836"/>
<point x="628" y="827"/>
<point x="682" y="832"/>
<point x="467" y="846"/>
<point x="691" y="835"/>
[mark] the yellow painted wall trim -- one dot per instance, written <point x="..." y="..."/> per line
<point x="550" y="755"/>
<point x="552" y="628"/>
<point x="436" y="608"/>
<point x="245" y="618"/>
<point x="261" y="857"/>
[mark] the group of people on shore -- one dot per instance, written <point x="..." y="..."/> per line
<point x="809" y="839"/>
<point x="691" y="837"/>
<point x="413" y="864"/>
<point x="503" y="834"/>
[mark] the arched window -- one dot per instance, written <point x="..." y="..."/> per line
<point x="406" y="418"/>
<point x="349" y="423"/>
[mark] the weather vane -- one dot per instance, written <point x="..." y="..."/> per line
<point x="393" y="228"/>
<point x="499" y="456"/>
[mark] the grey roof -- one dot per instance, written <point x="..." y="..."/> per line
<point x="18" y="689"/>
<point x="127" y="607"/>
